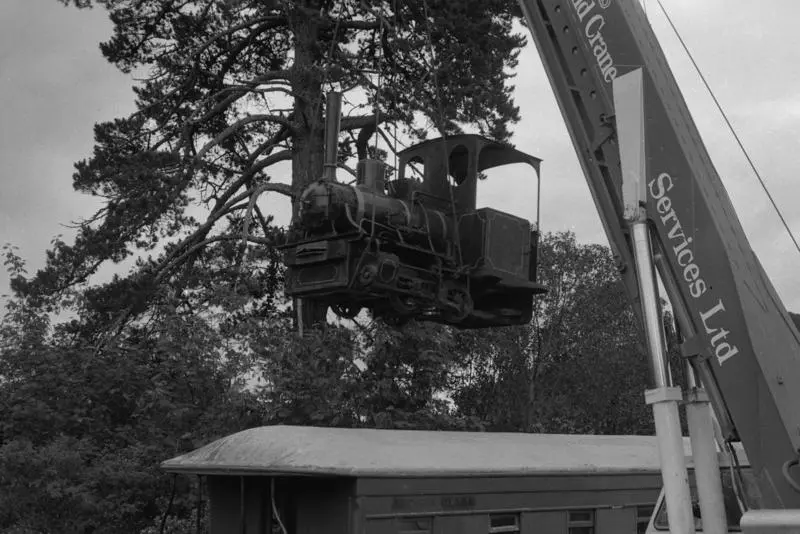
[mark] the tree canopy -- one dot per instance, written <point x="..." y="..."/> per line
<point x="231" y="96"/>
<point x="578" y="367"/>
<point x="82" y="431"/>
<point x="196" y="340"/>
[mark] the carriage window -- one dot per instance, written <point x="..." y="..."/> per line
<point x="504" y="523"/>
<point x="581" y="522"/>
<point x="417" y="525"/>
<point x="643" y="514"/>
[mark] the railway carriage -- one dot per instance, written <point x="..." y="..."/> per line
<point x="307" y="480"/>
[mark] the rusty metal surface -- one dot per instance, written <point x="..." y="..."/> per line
<point x="408" y="453"/>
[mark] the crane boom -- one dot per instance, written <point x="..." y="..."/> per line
<point x="737" y="333"/>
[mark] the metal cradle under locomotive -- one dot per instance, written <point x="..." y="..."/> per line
<point x="416" y="246"/>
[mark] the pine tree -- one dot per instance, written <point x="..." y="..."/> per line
<point x="232" y="93"/>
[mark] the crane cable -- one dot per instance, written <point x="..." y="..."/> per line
<point x="443" y="132"/>
<point x="730" y="127"/>
<point x="394" y="148"/>
<point x="462" y="302"/>
<point x="380" y="64"/>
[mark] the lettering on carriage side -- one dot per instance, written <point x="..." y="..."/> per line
<point x="412" y="503"/>
<point x="713" y="318"/>
<point x="458" y="502"/>
<point x="593" y="31"/>
<point x="445" y="502"/>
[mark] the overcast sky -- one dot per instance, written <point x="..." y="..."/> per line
<point x="55" y="84"/>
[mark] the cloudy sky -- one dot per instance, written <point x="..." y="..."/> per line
<point x="54" y="85"/>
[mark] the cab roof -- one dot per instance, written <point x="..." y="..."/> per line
<point x="296" y="450"/>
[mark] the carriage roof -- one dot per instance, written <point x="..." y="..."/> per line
<point x="295" y="450"/>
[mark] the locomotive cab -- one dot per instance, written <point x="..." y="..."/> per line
<point x="416" y="247"/>
<point x="498" y="248"/>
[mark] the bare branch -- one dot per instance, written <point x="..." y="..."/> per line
<point x="246" y="224"/>
<point x="233" y="128"/>
<point x="353" y="123"/>
<point x="362" y="142"/>
<point x="350" y="170"/>
<point x="392" y="142"/>
<point x="193" y="243"/>
<point x="237" y="93"/>
<point x="357" y="24"/>
<point x="272" y="76"/>
<point x="272" y="22"/>
<point x="227" y="202"/>
<point x="261" y="219"/>
<point x="121" y="320"/>
<point x="381" y="19"/>
<point x="283" y="155"/>
<point x="204" y="243"/>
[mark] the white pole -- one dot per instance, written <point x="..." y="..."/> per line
<point x="703" y="430"/>
<point x="704" y="453"/>
<point x="664" y="398"/>
<point x="673" y="459"/>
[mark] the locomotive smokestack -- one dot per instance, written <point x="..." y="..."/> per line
<point x="333" y="115"/>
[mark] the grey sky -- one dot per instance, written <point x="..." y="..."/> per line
<point x="54" y="85"/>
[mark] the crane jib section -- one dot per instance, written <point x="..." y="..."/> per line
<point x="594" y="22"/>
<point x="747" y="349"/>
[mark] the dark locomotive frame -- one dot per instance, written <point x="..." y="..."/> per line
<point x="417" y="247"/>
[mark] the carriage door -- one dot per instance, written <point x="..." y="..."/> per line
<point x="544" y="523"/>
<point x="460" y="524"/>
<point x="616" y="521"/>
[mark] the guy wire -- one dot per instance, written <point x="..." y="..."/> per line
<point x="380" y="65"/>
<point x="731" y="128"/>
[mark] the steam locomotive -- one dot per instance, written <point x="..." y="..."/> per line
<point x="416" y="247"/>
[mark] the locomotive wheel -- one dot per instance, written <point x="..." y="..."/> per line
<point x="346" y="311"/>
<point x="388" y="315"/>
<point x="403" y="306"/>
<point x="367" y="275"/>
<point x="458" y="303"/>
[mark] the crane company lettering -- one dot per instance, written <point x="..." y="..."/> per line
<point x="722" y="349"/>
<point x="445" y="502"/>
<point x="682" y="250"/>
<point x="593" y="26"/>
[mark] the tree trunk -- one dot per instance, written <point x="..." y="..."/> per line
<point x="308" y="148"/>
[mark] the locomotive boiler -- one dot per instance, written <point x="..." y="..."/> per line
<point x="416" y="246"/>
